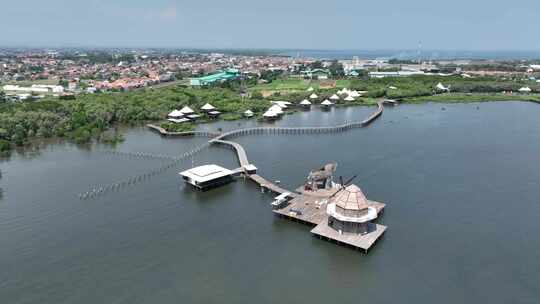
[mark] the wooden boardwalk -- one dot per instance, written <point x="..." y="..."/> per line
<point x="164" y="132"/>
<point x="269" y="185"/>
<point x="240" y="151"/>
<point x="308" y="208"/>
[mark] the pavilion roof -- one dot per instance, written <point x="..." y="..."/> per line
<point x="351" y="198"/>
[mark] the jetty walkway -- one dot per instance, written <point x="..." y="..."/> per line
<point x="164" y="132"/>
<point x="242" y="155"/>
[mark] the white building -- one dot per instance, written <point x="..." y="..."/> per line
<point x="207" y="176"/>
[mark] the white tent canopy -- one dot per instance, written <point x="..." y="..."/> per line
<point x="270" y="114"/>
<point x="282" y="104"/>
<point x="313" y="96"/>
<point x="441" y="87"/>
<point x="343" y="91"/>
<point x="354" y="93"/>
<point x="525" y="90"/>
<point x="187" y="110"/>
<point x="310" y="89"/>
<point x="276" y="109"/>
<point x="248" y="113"/>
<point x="305" y="102"/>
<point x="208" y="107"/>
<point x="175" y="113"/>
<point x="326" y="102"/>
<point x="334" y="97"/>
<point x="349" y="98"/>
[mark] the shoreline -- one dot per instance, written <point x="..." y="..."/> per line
<point x="448" y="98"/>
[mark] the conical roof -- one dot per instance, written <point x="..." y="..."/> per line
<point x="248" y="112"/>
<point x="334" y="97"/>
<point x="270" y="113"/>
<point x="326" y="102"/>
<point x="276" y="109"/>
<point x="187" y="110"/>
<point x="208" y="107"/>
<point x="305" y="102"/>
<point x="351" y="198"/>
<point x="313" y="96"/>
<point x="349" y="98"/>
<point x="175" y="113"/>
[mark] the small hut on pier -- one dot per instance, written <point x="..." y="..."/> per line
<point x="334" y="97"/>
<point x="213" y="114"/>
<point x="175" y="114"/>
<point x="326" y="103"/>
<point x="248" y="113"/>
<point x="187" y="111"/>
<point x="305" y="104"/>
<point x="313" y="96"/>
<point x="208" y="108"/>
<point x="270" y="115"/>
<point x="349" y="98"/>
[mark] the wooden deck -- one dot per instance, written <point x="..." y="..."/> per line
<point x="269" y="185"/>
<point x="357" y="241"/>
<point x="311" y="210"/>
<point x="240" y="151"/>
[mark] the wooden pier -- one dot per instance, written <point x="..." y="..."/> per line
<point x="311" y="210"/>
<point x="305" y="206"/>
<point x="265" y="184"/>
<point x="240" y="151"/>
<point x="164" y="132"/>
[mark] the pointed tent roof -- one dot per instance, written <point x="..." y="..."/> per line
<point x="326" y="102"/>
<point x="349" y="98"/>
<point x="248" y="112"/>
<point x="334" y="97"/>
<point x="270" y="113"/>
<point x="354" y="93"/>
<point x="313" y="96"/>
<point x="276" y="109"/>
<point x="187" y="110"/>
<point x="441" y="87"/>
<point x="310" y="89"/>
<point x="175" y="113"/>
<point x="305" y="102"/>
<point x="208" y="107"/>
<point x="343" y="91"/>
<point x="351" y="198"/>
<point x="282" y="104"/>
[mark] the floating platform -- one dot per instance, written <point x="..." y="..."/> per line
<point x="362" y="241"/>
<point x="311" y="210"/>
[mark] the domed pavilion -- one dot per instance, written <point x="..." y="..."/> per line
<point x="349" y="211"/>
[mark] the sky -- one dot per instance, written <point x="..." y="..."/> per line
<point x="293" y="24"/>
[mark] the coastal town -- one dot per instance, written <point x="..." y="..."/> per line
<point x="36" y="73"/>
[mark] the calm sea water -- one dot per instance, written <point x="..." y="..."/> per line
<point x="410" y="54"/>
<point x="461" y="187"/>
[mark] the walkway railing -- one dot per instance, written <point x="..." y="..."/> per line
<point x="220" y="139"/>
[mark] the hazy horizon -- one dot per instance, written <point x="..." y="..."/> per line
<point x="303" y="24"/>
